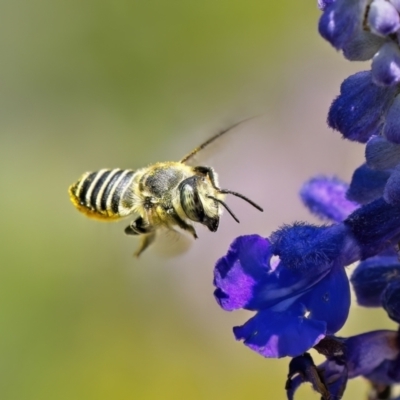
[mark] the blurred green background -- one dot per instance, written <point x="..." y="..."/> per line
<point x="95" y="84"/>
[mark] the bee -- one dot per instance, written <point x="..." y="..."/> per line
<point x="163" y="195"/>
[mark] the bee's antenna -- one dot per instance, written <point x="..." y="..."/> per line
<point x="225" y="191"/>
<point x="226" y="207"/>
<point x="215" y="137"/>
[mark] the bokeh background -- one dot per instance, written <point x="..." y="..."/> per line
<point x="91" y="84"/>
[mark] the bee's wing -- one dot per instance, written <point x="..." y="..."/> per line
<point x="171" y="242"/>
<point x="210" y="145"/>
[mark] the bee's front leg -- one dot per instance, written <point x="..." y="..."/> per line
<point x="170" y="218"/>
<point x="185" y="226"/>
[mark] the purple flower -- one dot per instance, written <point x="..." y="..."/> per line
<point x="376" y="282"/>
<point x="326" y="198"/>
<point x="392" y="189"/>
<point x="372" y="276"/>
<point x="341" y="21"/>
<point x="386" y="64"/>
<point x="322" y="4"/>
<point x="365" y="30"/>
<point x="357" y="112"/>
<point x="375" y="227"/>
<point x="381" y="154"/>
<point x="382" y="173"/>
<point x="373" y="355"/>
<point x="391" y="300"/>
<point x="367" y="351"/>
<point x="362" y="46"/>
<point x="286" y="284"/>
<point x="367" y="184"/>
<point x="296" y="283"/>
<point x="392" y="126"/>
<point x="383" y="18"/>
<point x="359" y="28"/>
<point x="396" y="4"/>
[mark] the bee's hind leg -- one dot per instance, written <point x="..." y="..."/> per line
<point x="145" y="242"/>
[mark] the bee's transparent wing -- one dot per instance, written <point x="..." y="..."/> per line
<point x="165" y="242"/>
<point x="171" y="243"/>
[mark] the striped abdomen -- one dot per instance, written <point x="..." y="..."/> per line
<point x="105" y="194"/>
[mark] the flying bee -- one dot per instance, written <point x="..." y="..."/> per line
<point x="165" y="195"/>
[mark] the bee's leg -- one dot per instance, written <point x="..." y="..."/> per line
<point x="138" y="227"/>
<point x="145" y="242"/>
<point x="185" y="226"/>
<point x="208" y="172"/>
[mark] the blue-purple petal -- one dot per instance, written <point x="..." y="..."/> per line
<point x="247" y="277"/>
<point x="395" y="4"/>
<point x="392" y="125"/>
<point x="386" y="65"/>
<point x="322" y="4"/>
<point x="381" y="154"/>
<point x="391" y="300"/>
<point x="326" y="198"/>
<point x="392" y="189"/>
<point x="237" y="273"/>
<point x="374" y="227"/>
<point x="357" y="112"/>
<point x="372" y="276"/>
<point x="341" y="20"/>
<point x="383" y="18"/>
<point x="312" y="249"/>
<point x="280" y="334"/>
<point x="367" y="184"/>
<point x="362" y="46"/>
<point x="309" y="316"/>
<point x="386" y="373"/>
<point x="368" y="351"/>
<point x="329" y="300"/>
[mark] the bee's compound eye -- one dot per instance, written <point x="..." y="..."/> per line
<point x="193" y="206"/>
<point x="190" y="199"/>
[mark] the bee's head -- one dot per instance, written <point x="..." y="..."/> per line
<point x="200" y="200"/>
<point x="195" y="199"/>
